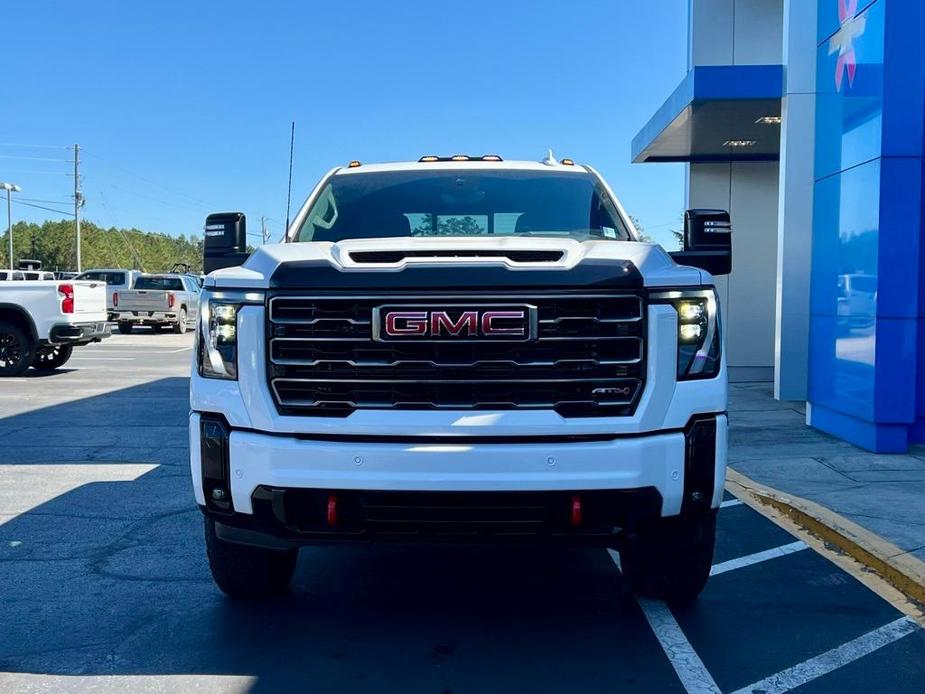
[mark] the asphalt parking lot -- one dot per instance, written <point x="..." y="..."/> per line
<point x="105" y="587"/>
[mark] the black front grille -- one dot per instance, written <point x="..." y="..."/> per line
<point x="587" y="358"/>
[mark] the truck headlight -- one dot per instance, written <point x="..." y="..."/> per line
<point x="699" y="339"/>
<point x="217" y="337"/>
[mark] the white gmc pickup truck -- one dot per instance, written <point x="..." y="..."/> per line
<point x="461" y="349"/>
<point x="41" y="322"/>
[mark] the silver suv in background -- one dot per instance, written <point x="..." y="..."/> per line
<point x="161" y="301"/>
<point x="117" y="280"/>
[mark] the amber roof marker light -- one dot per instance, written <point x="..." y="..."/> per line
<point x="354" y="164"/>
<point x="430" y="158"/>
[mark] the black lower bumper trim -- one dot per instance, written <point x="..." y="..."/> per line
<point x="292" y="517"/>
<point x="76" y="333"/>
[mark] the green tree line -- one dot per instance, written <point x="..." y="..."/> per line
<point x="55" y="244"/>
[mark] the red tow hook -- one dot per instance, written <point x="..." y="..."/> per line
<point x="332" y="509"/>
<point x="576" y="511"/>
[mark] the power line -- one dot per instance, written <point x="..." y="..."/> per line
<point x="16" y="156"/>
<point x="28" y="171"/>
<point x="19" y="144"/>
<point x="131" y="249"/>
<point x="146" y="179"/>
<point x="40" y="207"/>
<point x="171" y="204"/>
<point x="53" y="202"/>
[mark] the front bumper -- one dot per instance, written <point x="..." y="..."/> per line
<point x="146" y="317"/>
<point x="267" y="480"/>
<point x="78" y="333"/>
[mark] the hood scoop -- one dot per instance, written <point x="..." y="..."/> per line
<point x="512" y="255"/>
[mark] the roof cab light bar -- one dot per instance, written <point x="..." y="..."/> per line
<point x="429" y="158"/>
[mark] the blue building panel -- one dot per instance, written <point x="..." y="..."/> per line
<point x="904" y="51"/>
<point x="842" y="361"/>
<point x="846" y="223"/>
<point x="833" y="13"/>
<point x="901" y="238"/>
<point x="849" y="102"/>
<point x="867" y="351"/>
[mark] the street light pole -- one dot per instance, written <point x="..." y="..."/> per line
<point x="10" y="188"/>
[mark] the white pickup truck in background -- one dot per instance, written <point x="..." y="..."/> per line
<point x="160" y="301"/>
<point x="42" y="321"/>
<point x="117" y="280"/>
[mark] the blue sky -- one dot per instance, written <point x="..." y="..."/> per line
<point x="183" y="108"/>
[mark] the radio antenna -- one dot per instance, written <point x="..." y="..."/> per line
<point x="289" y="192"/>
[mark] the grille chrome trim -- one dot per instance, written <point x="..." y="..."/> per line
<point x="454" y="365"/>
<point x="314" y="321"/>
<point x="450" y="381"/>
<point x="562" y="319"/>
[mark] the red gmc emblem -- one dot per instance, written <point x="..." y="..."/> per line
<point x="424" y="323"/>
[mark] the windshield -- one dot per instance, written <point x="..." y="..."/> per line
<point x="172" y="283"/>
<point x="462" y="203"/>
<point x="110" y="278"/>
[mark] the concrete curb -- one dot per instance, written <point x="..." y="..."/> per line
<point x="897" y="567"/>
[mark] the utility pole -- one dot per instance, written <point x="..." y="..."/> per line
<point x="264" y="231"/>
<point x="78" y="199"/>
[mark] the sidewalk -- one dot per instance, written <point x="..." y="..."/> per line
<point x="770" y="444"/>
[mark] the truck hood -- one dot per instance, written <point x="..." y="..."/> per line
<point x="485" y="262"/>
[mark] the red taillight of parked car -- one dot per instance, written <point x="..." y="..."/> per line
<point x="171" y="300"/>
<point x="115" y="299"/>
<point x="67" y="293"/>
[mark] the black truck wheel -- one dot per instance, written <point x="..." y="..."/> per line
<point x="670" y="559"/>
<point x="125" y="327"/>
<point x="16" y="350"/>
<point x="180" y="326"/>
<point x="49" y="357"/>
<point x="242" y="571"/>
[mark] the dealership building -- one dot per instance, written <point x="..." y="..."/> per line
<point x="805" y="119"/>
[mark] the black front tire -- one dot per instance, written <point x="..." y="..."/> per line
<point x="248" y="572"/>
<point x="670" y="559"/>
<point x="16" y="350"/>
<point x="51" y="357"/>
<point x="125" y="328"/>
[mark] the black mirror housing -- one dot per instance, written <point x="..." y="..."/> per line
<point x="707" y="241"/>
<point x="225" y="242"/>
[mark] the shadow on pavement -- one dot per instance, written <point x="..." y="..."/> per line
<point x="109" y="578"/>
<point x="33" y="373"/>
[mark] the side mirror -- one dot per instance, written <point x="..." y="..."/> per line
<point x="707" y="241"/>
<point x="225" y="243"/>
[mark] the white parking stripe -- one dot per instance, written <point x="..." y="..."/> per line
<point x="83" y="359"/>
<point x="137" y="350"/>
<point x="757" y="557"/>
<point x="683" y="658"/>
<point x="825" y="663"/>
<point x="730" y="502"/>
